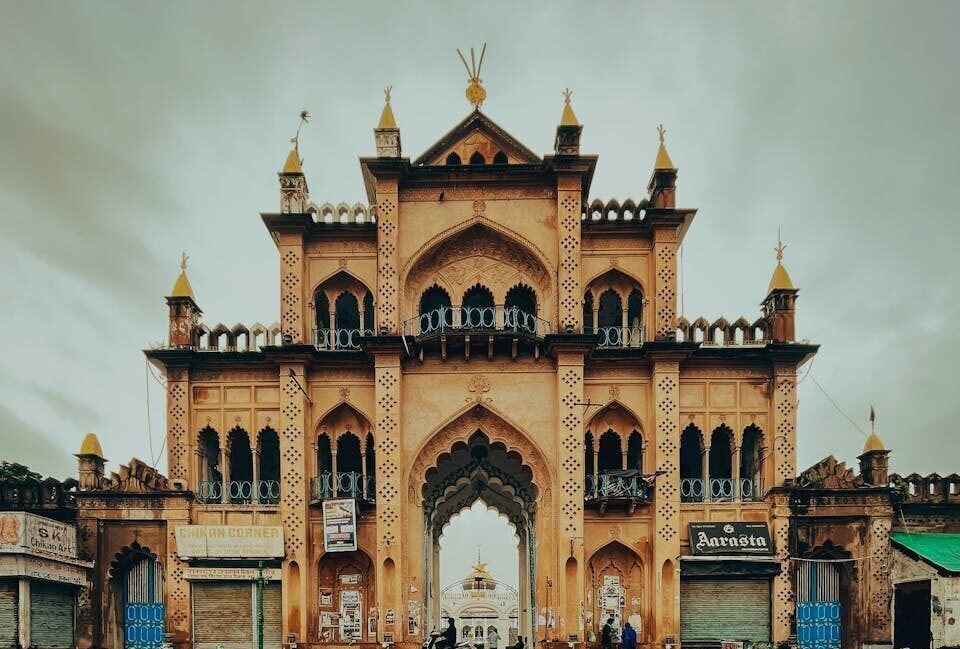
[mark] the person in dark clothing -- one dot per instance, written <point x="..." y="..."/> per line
<point x="628" y="638"/>
<point x="450" y="635"/>
<point x="606" y="635"/>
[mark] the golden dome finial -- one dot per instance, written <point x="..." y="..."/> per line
<point x="873" y="442"/>
<point x="568" y="118"/>
<point x="663" y="158"/>
<point x="293" y="164"/>
<point x="781" y="278"/>
<point x="475" y="91"/>
<point x="386" y="117"/>
<point x="181" y="287"/>
<point x="91" y="446"/>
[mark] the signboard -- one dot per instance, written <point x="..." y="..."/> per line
<point x="22" y="532"/>
<point x="45" y="569"/>
<point x="730" y="538"/>
<point x="229" y="574"/>
<point x="351" y="614"/>
<point x="229" y="541"/>
<point x="340" y="525"/>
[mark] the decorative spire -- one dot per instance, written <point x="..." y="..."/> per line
<point x="873" y="442"/>
<point x="475" y="92"/>
<point x="568" y="118"/>
<point x="181" y="287"/>
<point x="780" y="279"/>
<point x="386" y="117"/>
<point x="663" y="158"/>
<point x="294" y="165"/>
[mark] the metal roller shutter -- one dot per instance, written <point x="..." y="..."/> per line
<point x="8" y="613"/>
<point x="51" y="615"/>
<point x="272" y="617"/>
<point x="222" y="615"/>
<point x="725" y="609"/>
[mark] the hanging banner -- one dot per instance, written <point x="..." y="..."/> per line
<point x="340" y="525"/>
<point x="730" y="538"/>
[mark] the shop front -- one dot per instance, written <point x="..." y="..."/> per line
<point x="726" y="584"/>
<point x="235" y="585"/>
<point x="39" y="579"/>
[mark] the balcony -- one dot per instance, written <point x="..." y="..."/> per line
<point x="698" y="490"/>
<point x="238" y="492"/>
<point x="619" y="337"/>
<point x="343" y="485"/>
<point x="467" y="320"/>
<point x="617" y="489"/>
<point x="339" y="339"/>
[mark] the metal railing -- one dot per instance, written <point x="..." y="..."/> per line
<point x="468" y="319"/>
<point x="342" y="485"/>
<point x="336" y="339"/>
<point x="618" y="337"/>
<point x="612" y="486"/>
<point x="698" y="490"/>
<point x="239" y="492"/>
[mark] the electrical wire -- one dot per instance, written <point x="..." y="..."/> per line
<point x="146" y="380"/>
<point x="834" y="403"/>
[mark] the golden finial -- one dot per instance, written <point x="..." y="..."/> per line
<point x="181" y="287"/>
<point x="780" y="247"/>
<point x="661" y="132"/>
<point x="568" y="118"/>
<point x="183" y="261"/>
<point x="294" y="165"/>
<point x="386" y="94"/>
<point x="781" y="279"/>
<point x="475" y="92"/>
<point x="304" y="118"/>
<point x="663" y="158"/>
<point x="386" y="117"/>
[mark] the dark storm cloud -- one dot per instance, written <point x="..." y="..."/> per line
<point x="42" y="452"/>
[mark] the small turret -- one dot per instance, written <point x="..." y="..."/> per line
<point x="567" y="141"/>
<point x="184" y="314"/>
<point x="663" y="181"/>
<point x="387" y="135"/>
<point x="90" y="462"/>
<point x="779" y="307"/>
<point x="294" y="193"/>
<point x="874" y="461"/>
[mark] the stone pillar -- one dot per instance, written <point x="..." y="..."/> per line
<point x="363" y="471"/>
<point x="388" y="283"/>
<point x="569" y="203"/>
<point x="665" y="282"/>
<point x="666" y="542"/>
<point x="293" y="324"/>
<point x="705" y="470"/>
<point x="225" y="469"/>
<point x="181" y="445"/>
<point x="293" y="496"/>
<point x="255" y="458"/>
<point x="784" y="419"/>
<point x="735" y="471"/>
<point x="23" y="611"/>
<point x="333" y="469"/>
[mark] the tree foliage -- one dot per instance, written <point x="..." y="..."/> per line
<point x="16" y="472"/>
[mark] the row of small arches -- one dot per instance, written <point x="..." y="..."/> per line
<point x="499" y="158"/>
<point x="613" y="210"/>
<point x="722" y="332"/>
<point x="520" y="296"/>
<point x="239" y="455"/>
<point x="719" y="452"/>
<point x="342" y="213"/>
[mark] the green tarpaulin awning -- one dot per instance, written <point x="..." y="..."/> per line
<point x="942" y="551"/>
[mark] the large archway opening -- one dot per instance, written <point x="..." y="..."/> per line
<point x="479" y="476"/>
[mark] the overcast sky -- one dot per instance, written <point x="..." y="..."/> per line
<point x="132" y="131"/>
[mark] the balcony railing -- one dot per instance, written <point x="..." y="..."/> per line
<point x="339" y="339"/>
<point x="612" y="486"/>
<point x="342" y="485"/>
<point x="238" y="492"/>
<point x="698" y="490"/>
<point x="470" y="319"/>
<point x="619" y="337"/>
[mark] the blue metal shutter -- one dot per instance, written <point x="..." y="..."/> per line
<point x="725" y="609"/>
<point x="9" y="591"/>
<point x="51" y="615"/>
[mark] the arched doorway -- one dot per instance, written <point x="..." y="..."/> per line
<point x="346" y="593"/>
<point x="480" y="456"/>
<point x="616" y="586"/>
<point x="137" y="578"/>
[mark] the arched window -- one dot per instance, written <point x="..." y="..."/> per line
<point x="433" y="298"/>
<point x="453" y="160"/>
<point x="368" y="322"/>
<point x="371" y="457"/>
<point x="324" y="457"/>
<point x="241" y="466"/>
<point x="611" y="309"/>
<point x="478" y="159"/>
<point x="750" y="462"/>
<point x="322" y="305"/>
<point x="269" y="488"/>
<point x="500" y="158"/>
<point x="720" y="446"/>
<point x="635" y="451"/>
<point x="588" y="312"/>
<point x="635" y="308"/>
<point x="348" y="454"/>
<point x="610" y="457"/>
<point x="522" y="297"/>
<point x="347" y="311"/>
<point x="588" y="454"/>
<point x="691" y="464"/>
<point x="210" y="456"/>
<point x="478" y="297"/>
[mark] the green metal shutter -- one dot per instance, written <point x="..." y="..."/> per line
<point x="223" y="615"/>
<point x="51" y="615"/>
<point x="9" y="591"/>
<point x="725" y="609"/>
<point x="272" y="617"/>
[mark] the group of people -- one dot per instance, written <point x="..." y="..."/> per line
<point x="628" y="637"/>
<point x="447" y="639"/>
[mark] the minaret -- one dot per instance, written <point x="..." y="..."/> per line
<point x="294" y="193"/>
<point x="663" y="181"/>
<point x="184" y="312"/>
<point x="874" y="461"/>
<point x="90" y="463"/>
<point x="567" y="141"/>
<point x="779" y="305"/>
<point x="387" y="135"/>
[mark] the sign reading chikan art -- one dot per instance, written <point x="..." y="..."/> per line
<point x="730" y="538"/>
<point x="229" y="541"/>
<point x="21" y="532"/>
<point x="339" y="525"/>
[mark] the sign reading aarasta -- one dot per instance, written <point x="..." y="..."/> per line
<point x="340" y="525"/>
<point x="731" y="538"/>
<point x="229" y="541"/>
<point x="22" y="532"/>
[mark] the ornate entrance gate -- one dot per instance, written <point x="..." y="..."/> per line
<point x="818" y="606"/>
